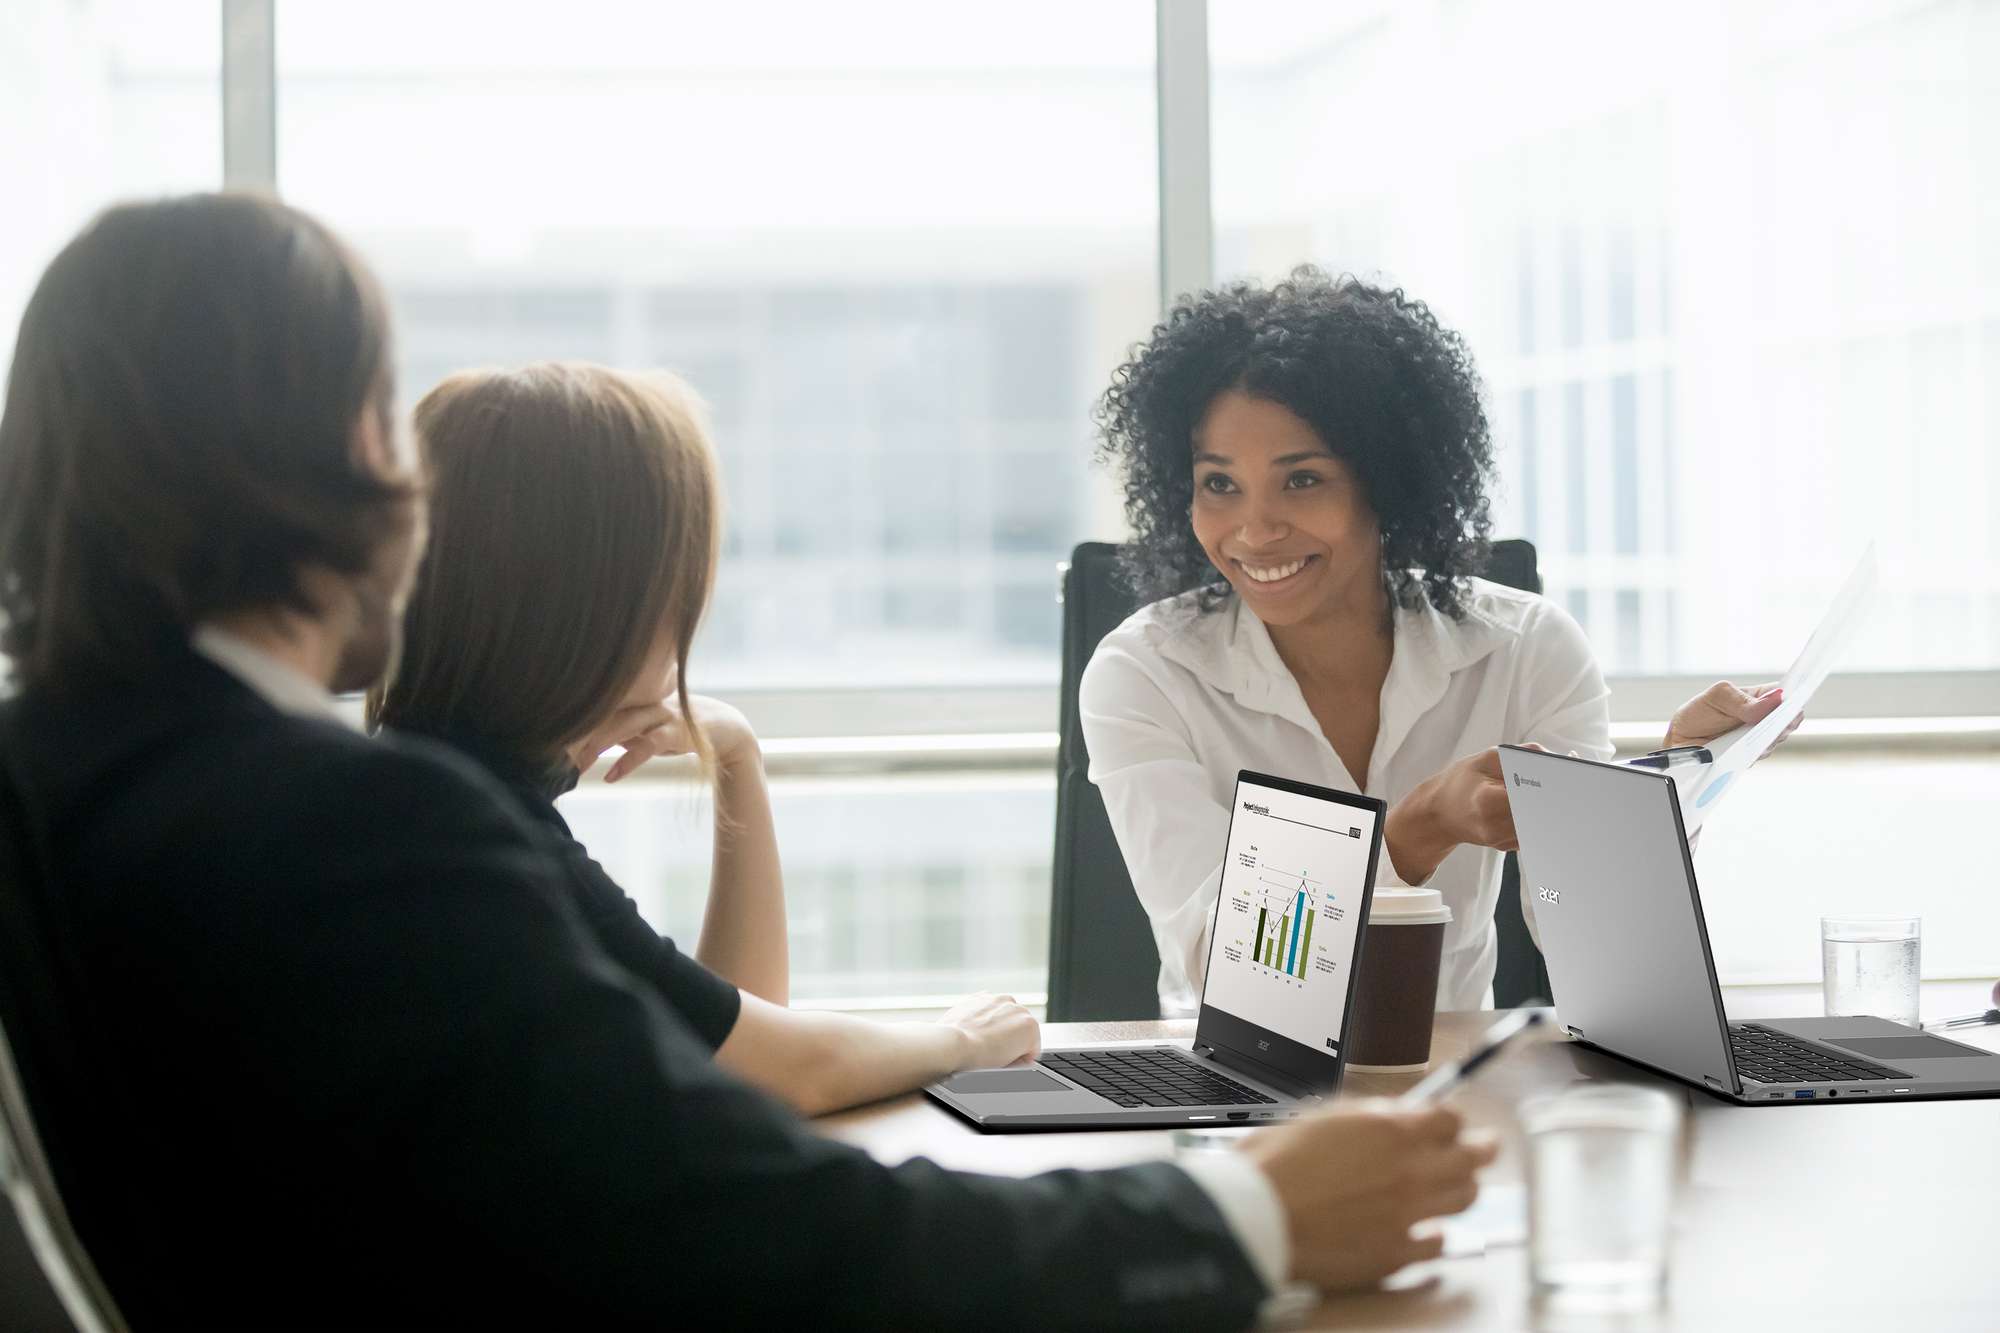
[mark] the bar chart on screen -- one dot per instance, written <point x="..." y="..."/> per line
<point x="1294" y="878"/>
<point x="1280" y="919"/>
<point x="1287" y="907"/>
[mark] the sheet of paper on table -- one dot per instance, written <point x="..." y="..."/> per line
<point x="1701" y="789"/>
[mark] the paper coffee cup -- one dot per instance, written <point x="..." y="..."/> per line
<point x="1395" y="998"/>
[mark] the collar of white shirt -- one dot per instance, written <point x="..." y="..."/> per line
<point x="1234" y="653"/>
<point x="283" y="687"/>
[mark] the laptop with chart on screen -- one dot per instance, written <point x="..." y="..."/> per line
<point x="1298" y="872"/>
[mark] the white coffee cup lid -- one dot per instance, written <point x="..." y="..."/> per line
<point x="1397" y="906"/>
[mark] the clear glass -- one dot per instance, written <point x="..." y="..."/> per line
<point x="1701" y="407"/>
<point x="1602" y="1168"/>
<point x="898" y="246"/>
<point x="901" y="890"/>
<point x="1871" y="965"/>
<point x="101" y="100"/>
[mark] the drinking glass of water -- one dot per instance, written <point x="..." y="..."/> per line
<point x="1602" y="1164"/>
<point x="1871" y="965"/>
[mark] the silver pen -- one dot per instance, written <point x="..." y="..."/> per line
<point x="1967" y="1020"/>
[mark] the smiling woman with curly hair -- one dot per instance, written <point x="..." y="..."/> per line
<point x="1368" y="368"/>
<point x="1306" y="470"/>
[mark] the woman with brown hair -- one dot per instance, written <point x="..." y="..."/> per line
<point x="574" y="532"/>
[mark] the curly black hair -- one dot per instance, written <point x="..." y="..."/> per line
<point x="1392" y="393"/>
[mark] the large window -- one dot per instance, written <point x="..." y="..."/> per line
<point x="1730" y="269"/>
<point x="898" y="247"/>
<point x="1732" y="272"/>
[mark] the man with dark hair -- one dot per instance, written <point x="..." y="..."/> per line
<point x="193" y="388"/>
<point x="314" y="1032"/>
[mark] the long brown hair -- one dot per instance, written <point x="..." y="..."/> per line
<point x="179" y="434"/>
<point x="573" y="518"/>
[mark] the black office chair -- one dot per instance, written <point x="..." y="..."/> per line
<point x="47" y="1281"/>
<point x="1103" y="965"/>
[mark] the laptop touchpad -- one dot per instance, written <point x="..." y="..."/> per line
<point x="1005" y="1080"/>
<point x="1913" y="1047"/>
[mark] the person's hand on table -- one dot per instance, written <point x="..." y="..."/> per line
<point x="993" y="1031"/>
<point x="1355" y="1181"/>
<point x="1721" y="709"/>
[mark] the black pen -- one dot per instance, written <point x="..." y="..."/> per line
<point x="1967" y="1020"/>
<point x="1679" y="754"/>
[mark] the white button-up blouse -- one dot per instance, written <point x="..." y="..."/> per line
<point x="1175" y="701"/>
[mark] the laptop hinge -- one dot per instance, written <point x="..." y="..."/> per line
<point x="1243" y="1064"/>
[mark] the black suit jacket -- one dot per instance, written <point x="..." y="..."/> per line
<point x="337" y="1049"/>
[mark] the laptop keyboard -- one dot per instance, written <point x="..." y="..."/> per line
<point x="1151" y="1077"/>
<point x="1772" y="1057"/>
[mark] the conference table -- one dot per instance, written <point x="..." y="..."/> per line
<point x="1815" y="1217"/>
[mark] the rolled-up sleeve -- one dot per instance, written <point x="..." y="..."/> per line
<point x="1161" y="803"/>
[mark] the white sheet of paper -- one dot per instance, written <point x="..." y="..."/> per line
<point x="1702" y="789"/>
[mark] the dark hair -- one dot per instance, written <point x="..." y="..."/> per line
<point x="179" y="433"/>
<point x="1392" y="394"/>
<point x="573" y="517"/>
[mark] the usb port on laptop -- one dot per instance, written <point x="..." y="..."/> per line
<point x="1804" y="1094"/>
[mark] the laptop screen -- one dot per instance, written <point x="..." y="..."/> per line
<point x="1297" y="876"/>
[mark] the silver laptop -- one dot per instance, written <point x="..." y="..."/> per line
<point x="1619" y="914"/>
<point x="1297" y="877"/>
